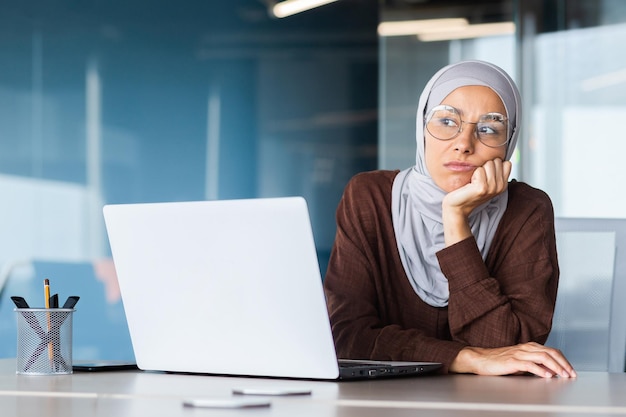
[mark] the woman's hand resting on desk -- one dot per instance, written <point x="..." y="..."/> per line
<point x="529" y="357"/>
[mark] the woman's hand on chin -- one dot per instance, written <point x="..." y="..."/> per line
<point x="487" y="181"/>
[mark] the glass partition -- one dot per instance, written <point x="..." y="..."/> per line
<point x="575" y="88"/>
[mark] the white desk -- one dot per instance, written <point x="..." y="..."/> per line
<point x="147" y="394"/>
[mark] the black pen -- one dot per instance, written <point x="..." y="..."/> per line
<point x="54" y="301"/>
<point x="71" y="301"/>
<point x="20" y="302"/>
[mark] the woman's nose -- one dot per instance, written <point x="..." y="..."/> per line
<point x="466" y="138"/>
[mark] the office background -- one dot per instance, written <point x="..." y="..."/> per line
<point x="142" y="101"/>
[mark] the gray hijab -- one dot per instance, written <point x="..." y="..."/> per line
<point x="416" y="200"/>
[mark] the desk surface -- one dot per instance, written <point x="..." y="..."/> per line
<point x="137" y="393"/>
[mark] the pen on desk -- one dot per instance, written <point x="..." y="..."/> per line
<point x="46" y="291"/>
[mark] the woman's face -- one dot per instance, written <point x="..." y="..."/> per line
<point x="452" y="162"/>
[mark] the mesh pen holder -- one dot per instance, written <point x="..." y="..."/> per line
<point x="44" y="341"/>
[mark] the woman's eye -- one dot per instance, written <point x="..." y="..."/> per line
<point x="448" y="122"/>
<point x="486" y="130"/>
<point x="495" y="129"/>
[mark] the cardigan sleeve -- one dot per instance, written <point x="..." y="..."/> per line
<point x="514" y="303"/>
<point x="354" y="285"/>
<point x="501" y="301"/>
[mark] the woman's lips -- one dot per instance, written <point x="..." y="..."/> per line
<point x="459" y="166"/>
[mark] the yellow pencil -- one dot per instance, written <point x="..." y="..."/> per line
<point x="46" y="292"/>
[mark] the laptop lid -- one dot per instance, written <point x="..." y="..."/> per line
<point x="223" y="287"/>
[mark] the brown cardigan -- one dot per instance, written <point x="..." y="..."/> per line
<point x="505" y="300"/>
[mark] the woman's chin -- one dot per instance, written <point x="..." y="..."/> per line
<point x="454" y="184"/>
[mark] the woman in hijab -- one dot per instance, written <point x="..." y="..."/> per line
<point x="448" y="261"/>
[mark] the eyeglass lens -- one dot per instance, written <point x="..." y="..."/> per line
<point x="444" y="123"/>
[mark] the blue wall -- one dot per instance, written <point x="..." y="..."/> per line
<point x="108" y="102"/>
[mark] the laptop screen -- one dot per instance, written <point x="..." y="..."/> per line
<point x="223" y="287"/>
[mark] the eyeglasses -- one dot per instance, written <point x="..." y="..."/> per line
<point x="444" y="123"/>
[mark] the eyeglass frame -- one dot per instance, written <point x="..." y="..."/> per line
<point x="509" y="132"/>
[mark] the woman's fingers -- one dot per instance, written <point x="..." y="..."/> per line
<point x="552" y="359"/>
<point x="542" y="361"/>
<point x="494" y="175"/>
<point x="530" y="357"/>
<point x="487" y="181"/>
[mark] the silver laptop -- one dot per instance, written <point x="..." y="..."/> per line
<point x="229" y="287"/>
